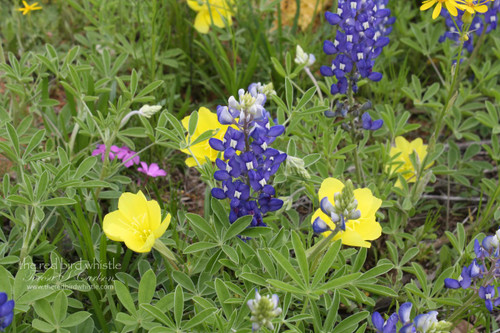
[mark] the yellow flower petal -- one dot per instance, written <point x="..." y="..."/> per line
<point x="328" y="188"/>
<point x="194" y="5"/>
<point x="202" y="22"/>
<point x="451" y="8"/>
<point x="154" y="214"/>
<point x="116" y="226"/>
<point x="133" y="206"/>
<point x="369" y="229"/>
<point x="482" y="9"/>
<point x="367" y="203"/>
<point x="437" y="11"/>
<point x="139" y="245"/>
<point x="352" y="238"/>
<point x="163" y="227"/>
<point x="428" y="4"/>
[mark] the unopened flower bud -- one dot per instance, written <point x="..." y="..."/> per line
<point x="263" y="310"/>
<point x="303" y="58"/>
<point x="149" y="110"/>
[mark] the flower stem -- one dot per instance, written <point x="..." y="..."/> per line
<point x="313" y="79"/>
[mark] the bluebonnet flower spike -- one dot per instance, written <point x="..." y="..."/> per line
<point x="249" y="161"/>
<point x="6" y="311"/>
<point x="363" y="26"/>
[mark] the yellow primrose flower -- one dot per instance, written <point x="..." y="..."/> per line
<point x="136" y="222"/>
<point x="362" y="227"/>
<point x="473" y="6"/>
<point x="402" y="164"/>
<point x="451" y="5"/>
<point x="28" y="8"/>
<point x="206" y="121"/>
<point x="217" y="12"/>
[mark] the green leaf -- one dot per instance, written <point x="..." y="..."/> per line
<point x="178" y="304"/>
<point x="278" y="67"/>
<point x="85" y="167"/>
<point x="60" y="306"/>
<point x="222" y="295"/>
<point x="42" y="186"/>
<point x="125" y="297"/>
<point x="184" y="280"/>
<point x="200" y="223"/>
<point x="237" y="227"/>
<point x="147" y="287"/>
<point x="42" y="326"/>
<point x="13" y="138"/>
<point x="287" y="266"/>
<point x="158" y="314"/>
<point x="44" y="310"/>
<point x="58" y="202"/>
<point x="300" y="253"/>
<point x="199" y="318"/>
<point x="286" y="287"/>
<point x="350" y="323"/>
<point x="17" y="199"/>
<point x="380" y="269"/>
<point x="411" y="253"/>
<point x="200" y="246"/>
<point x="377" y="289"/>
<point x="193" y="123"/>
<point x="326" y="262"/>
<point x="75" y="319"/>
<point x="34" y="142"/>
<point x="150" y="88"/>
<point x="421" y="276"/>
<point x="306" y="98"/>
<point x="340" y="281"/>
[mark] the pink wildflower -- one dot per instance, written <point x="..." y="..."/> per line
<point x="153" y="170"/>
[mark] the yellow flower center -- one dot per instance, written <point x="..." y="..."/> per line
<point x="139" y="228"/>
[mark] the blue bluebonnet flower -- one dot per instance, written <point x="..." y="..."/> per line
<point x="249" y="161"/>
<point x="485" y="266"/>
<point x="488" y="293"/>
<point x="423" y="323"/>
<point x="6" y="311"/>
<point x="479" y="22"/>
<point x="263" y="310"/>
<point x="369" y="124"/>
<point x="363" y="26"/>
<point x="382" y="326"/>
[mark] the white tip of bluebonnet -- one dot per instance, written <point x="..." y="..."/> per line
<point x="312" y="59"/>
<point x="275" y="300"/>
<point x="335" y="217"/>
<point x="232" y="103"/>
<point x="225" y="116"/>
<point x="404" y="312"/>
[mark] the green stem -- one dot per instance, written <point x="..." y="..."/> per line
<point x="450" y="100"/>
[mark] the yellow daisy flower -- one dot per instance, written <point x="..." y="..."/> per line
<point x="451" y="5"/>
<point x="473" y="6"/>
<point x="28" y="8"/>
<point x="358" y="231"/>
<point x="137" y="222"/>
<point x="211" y="12"/>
